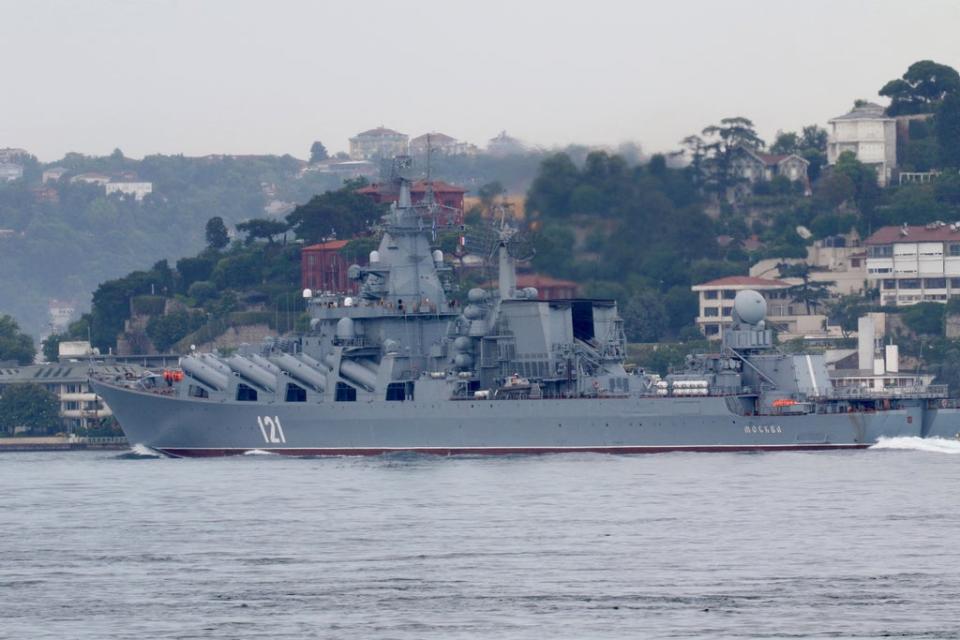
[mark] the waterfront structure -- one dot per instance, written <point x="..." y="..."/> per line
<point x="139" y="190"/>
<point x="912" y="263"/>
<point x="716" y="304"/>
<point x="377" y="144"/>
<point x="868" y="133"/>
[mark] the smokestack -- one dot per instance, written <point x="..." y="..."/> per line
<point x="865" y="343"/>
<point x="893" y="358"/>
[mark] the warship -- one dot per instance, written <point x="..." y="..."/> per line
<point x="401" y="366"/>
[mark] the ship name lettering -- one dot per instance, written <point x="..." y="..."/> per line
<point x="763" y="428"/>
<point x="271" y="429"/>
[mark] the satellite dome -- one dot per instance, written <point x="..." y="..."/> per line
<point x="750" y="306"/>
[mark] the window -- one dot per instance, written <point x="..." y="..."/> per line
<point x="396" y="392"/>
<point x="296" y="393"/>
<point x="889" y="284"/>
<point x="345" y="393"/>
<point x="883" y="251"/>
<point x="710" y="295"/>
<point x="935" y="283"/>
<point x="246" y="393"/>
<point x="711" y="312"/>
<point x="726" y="311"/>
<point x="955" y="249"/>
<point x="711" y="329"/>
<point x="855" y="263"/>
<point x="910" y="283"/>
<point x="955" y="283"/>
<point x="729" y="295"/>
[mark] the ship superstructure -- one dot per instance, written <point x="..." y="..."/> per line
<point x="402" y="366"/>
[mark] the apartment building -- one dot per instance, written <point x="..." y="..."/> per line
<point x="911" y="264"/>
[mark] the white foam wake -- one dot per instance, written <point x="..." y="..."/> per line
<point x="931" y="445"/>
<point x="258" y="452"/>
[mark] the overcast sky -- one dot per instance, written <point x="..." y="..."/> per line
<point x="198" y="77"/>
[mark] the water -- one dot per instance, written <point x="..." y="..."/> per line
<point x="847" y="544"/>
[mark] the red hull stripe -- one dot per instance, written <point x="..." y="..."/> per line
<point x="501" y="451"/>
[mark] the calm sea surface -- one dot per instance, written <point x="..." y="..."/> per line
<point x="848" y="544"/>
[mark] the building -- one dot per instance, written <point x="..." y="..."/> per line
<point x="911" y="264"/>
<point x="53" y="174"/>
<point x="60" y="315"/>
<point x="10" y="171"/>
<point x="45" y="194"/>
<point x="755" y="166"/>
<point x="90" y="178"/>
<point x="788" y="317"/>
<point x="12" y="154"/>
<point x="323" y="268"/>
<point x="440" y="144"/>
<point x="840" y="259"/>
<point x="344" y="169"/>
<point x="504" y="145"/>
<point x="139" y="190"/>
<point x="444" y="194"/>
<point x="80" y="408"/>
<point x="375" y="144"/>
<point x="870" y="135"/>
<point x="547" y="288"/>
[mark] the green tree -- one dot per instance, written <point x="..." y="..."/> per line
<point x="217" y="234"/>
<point x="343" y="213"/>
<point x="51" y="347"/>
<point x="645" y="318"/>
<point x="165" y="331"/>
<point x="921" y="88"/>
<point x="318" y="152"/>
<point x="262" y="229"/>
<point x="28" y="406"/>
<point x="786" y="143"/>
<point x="925" y="318"/>
<point x="14" y="344"/>
<point x="723" y="140"/>
<point x="811" y="293"/>
<point x="551" y="189"/>
<point x="948" y="131"/>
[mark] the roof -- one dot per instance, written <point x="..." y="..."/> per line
<point x="434" y="137"/>
<point x="327" y="246"/>
<point x="868" y="111"/>
<point x="742" y="281"/>
<point x="915" y="233"/>
<point x="420" y="186"/>
<point x="542" y="282"/>
<point x="379" y="131"/>
<point x="772" y="159"/>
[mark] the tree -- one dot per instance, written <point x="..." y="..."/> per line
<point x="695" y="148"/>
<point x="164" y="331"/>
<point x="51" y="347"/>
<point x="925" y="318"/>
<point x="786" y="143"/>
<point x="948" y="131"/>
<point x="550" y="192"/>
<point x="28" y="406"/>
<point x="343" y="213"/>
<point x="725" y="138"/>
<point x="318" y="152"/>
<point x="217" y="235"/>
<point x="262" y="228"/>
<point x="921" y="89"/>
<point x="814" y="137"/>
<point x="644" y="316"/>
<point x="809" y="292"/>
<point x="14" y="344"/>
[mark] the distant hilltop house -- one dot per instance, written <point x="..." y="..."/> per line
<point x="504" y="145"/>
<point x="870" y="134"/>
<point x="10" y="171"/>
<point x="53" y="174"/>
<point x="90" y="178"/>
<point x="11" y="154"/>
<point x="789" y="317"/>
<point x="756" y="166"/>
<point x="378" y="143"/>
<point x="344" y="169"/>
<point x="139" y="190"/>
<point x="440" y="144"/>
<point x="911" y="264"/>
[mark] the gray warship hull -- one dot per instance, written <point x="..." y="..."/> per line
<point x="187" y="428"/>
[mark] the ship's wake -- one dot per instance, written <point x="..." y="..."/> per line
<point x="930" y="445"/>
<point x="139" y="452"/>
<point x="258" y="452"/>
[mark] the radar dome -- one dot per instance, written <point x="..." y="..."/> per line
<point x="750" y="306"/>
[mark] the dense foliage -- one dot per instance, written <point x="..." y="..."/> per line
<point x="28" y="407"/>
<point x="14" y="344"/>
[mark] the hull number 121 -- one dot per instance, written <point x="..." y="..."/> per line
<point x="271" y="429"/>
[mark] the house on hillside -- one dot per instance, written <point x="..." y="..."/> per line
<point x="504" y="145"/>
<point x="53" y="174"/>
<point x="911" y="264"/>
<point x="10" y="171"/>
<point x="90" y="178"/>
<point x="375" y="144"/>
<point x="440" y="144"/>
<point x="870" y="134"/>
<point x="788" y="317"/>
<point x="139" y="190"/>
<point x="756" y="166"/>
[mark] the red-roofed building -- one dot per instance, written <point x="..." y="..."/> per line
<point x="547" y="288"/>
<point x="911" y="264"/>
<point x="716" y="306"/>
<point x="323" y="268"/>
<point x="444" y="194"/>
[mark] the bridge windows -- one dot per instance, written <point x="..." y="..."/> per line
<point x="345" y="393"/>
<point x="296" y="393"/>
<point x="246" y="393"/>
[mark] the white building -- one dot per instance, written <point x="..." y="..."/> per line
<point x="378" y="143"/>
<point x="912" y="264"/>
<point x="441" y="144"/>
<point x="53" y="174"/>
<point x="90" y="178"/>
<point x="870" y="134"/>
<point x="138" y="190"/>
<point x="837" y="259"/>
<point x="788" y="317"/>
<point x="10" y="171"/>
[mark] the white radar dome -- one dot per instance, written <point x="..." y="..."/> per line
<point x="750" y="306"/>
<point x="307" y="293"/>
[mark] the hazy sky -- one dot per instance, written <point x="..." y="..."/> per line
<point x="200" y="77"/>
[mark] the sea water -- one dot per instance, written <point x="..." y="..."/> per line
<point x="830" y="544"/>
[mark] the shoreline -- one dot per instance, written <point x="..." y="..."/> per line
<point x="54" y="443"/>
